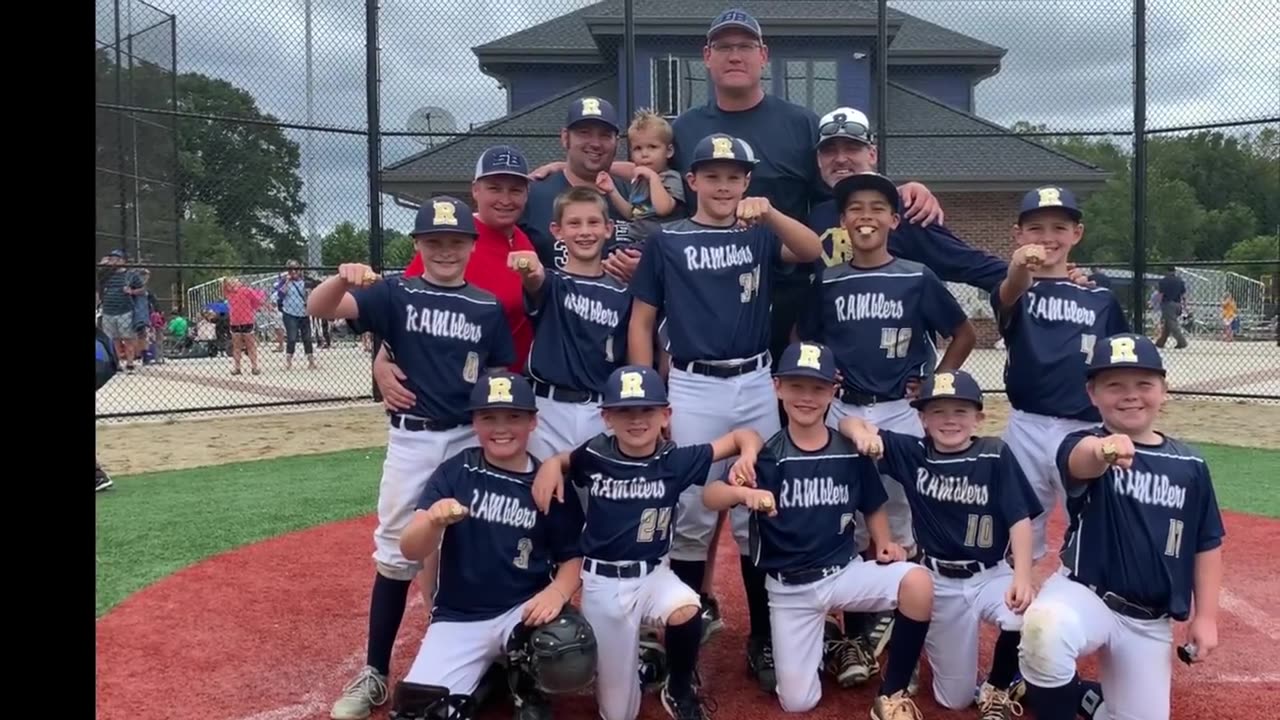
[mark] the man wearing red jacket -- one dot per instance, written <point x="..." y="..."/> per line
<point x="500" y="189"/>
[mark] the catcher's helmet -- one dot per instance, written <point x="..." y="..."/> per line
<point x="653" y="660"/>
<point x="559" y="657"/>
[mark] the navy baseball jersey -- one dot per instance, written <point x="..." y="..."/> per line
<point x="443" y="339"/>
<point x="725" y="274"/>
<point x="1049" y="334"/>
<point x="949" y="257"/>
<point x="962" y="503"/>
<point x="817" y="494"/>
<point x="580" y="330"/>
<point x="782" y="135"/>
<point x="1136" y="532"/>
<point x="505" y="551"/>
<point x="631" y="502"/>
<point x="880" y="323"/>
<point x="539" y="212"/>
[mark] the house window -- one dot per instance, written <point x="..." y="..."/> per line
<point x="679" y="83"/>
<point x="811" y="83"/>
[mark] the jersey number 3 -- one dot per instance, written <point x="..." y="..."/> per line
<point x="750" y="282"/>
<point x="653" y="523"/>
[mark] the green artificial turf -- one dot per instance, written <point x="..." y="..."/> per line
<point x="154" y="524"/>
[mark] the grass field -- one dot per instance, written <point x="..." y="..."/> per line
<point x="154" y="524"/>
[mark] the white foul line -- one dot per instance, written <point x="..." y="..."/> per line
<point x="1253" y="617"/>
<point x="317" y="701"/>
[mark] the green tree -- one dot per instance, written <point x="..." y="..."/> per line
<point x="204" y="241"/>
<point x="1223" y="229"/>
<point x="1260" y="247"/>
<point x="345" y="244"/>
<point x="247" y="172"/>
<point x="397" y="250"/>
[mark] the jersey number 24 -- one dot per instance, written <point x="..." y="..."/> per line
<point x="653" y="523"/>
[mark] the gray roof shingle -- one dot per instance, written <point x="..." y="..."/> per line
<point x="570" y="31"/>
<point x="985" y="152"/>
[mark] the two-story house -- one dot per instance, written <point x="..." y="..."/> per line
<point x="822" y="55"/>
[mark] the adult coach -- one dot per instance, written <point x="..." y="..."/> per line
<point x="1173" y="296"/>
<point x="590" y="141"/>
<point x="501" y="193"/>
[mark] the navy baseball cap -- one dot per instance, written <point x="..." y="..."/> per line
<point x="1125" y="350"/>
<point x="592" y="109"/>
<point x="953" y="384"/>
<point x="1050" y="196"/>
<point x="722" y="148"/>
<point x="502" y="160"/>
<point x="634" y="386"/>
<point x="502" y="391"/>
<point x="805" y="359"/>
<point x="736" y="18"/>
<point x="444" y="214"/>
<point x="851" y="184"/>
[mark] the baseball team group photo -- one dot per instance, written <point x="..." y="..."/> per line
<point x="712" y="398"/>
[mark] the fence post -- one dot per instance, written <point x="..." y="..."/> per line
<point x="882" y="86"/>
<point x="1139" y="171"/>
<point x="124" y="200"/>
<point x="373" y="122"/>
<point x="177" y="164"/>
<point x="628" y="60"/>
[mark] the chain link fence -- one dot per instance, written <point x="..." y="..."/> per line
<point x="237" y="136"/>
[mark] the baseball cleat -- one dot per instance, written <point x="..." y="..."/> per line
<point x="365" y="692"/>
<point x="102" y="480"/>
<point x="760" y="664"/>
<point x="684" y="706"/>
<point x="853" y="663"/>
<point x="895" y="707"/>
<point x="711" y="622"/>
<point x="878" y="637"/>
<point x="997" y="705"/>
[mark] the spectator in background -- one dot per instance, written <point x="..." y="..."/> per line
<point x="1230" y="317"/>
<point x="1173" y="296"/>
<point x="242" y="304"/>
<point x="116" y="288"/>
<point x="291" y="298"/>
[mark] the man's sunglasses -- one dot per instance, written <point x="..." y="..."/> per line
<point x="849" y="128"/>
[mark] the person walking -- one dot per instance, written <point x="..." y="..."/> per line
<point x="1173" y="297"/>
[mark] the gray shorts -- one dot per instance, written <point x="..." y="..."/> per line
<point x="119" y="327"/>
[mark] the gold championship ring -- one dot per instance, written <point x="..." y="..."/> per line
<point x="1109" y="452"/>
<point x="523" y="263"/>
<point x="766" y="504"/>
<point x="456" y="510"/>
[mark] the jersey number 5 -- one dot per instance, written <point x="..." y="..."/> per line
<point x="750" y="282"/>
<point x="653" y="523"/>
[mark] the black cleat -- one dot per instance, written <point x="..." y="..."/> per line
<point x="760" y="664"/>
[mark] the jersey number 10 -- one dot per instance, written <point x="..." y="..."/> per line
<point x="979" y="532"/>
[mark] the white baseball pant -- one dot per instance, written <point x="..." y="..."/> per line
<point x="1034" y="440"/>
<point x="411" y="459"/>
<point x="1067" y="621"/>
<point x="897" y="416"/>
<point x="798" y="614"/>
<point x="959" y="606"/>
<point x="456" y="655"/>
<point x="616" y="608"/>
<point x="704" y="408"/>
<point x="564" y="426"/>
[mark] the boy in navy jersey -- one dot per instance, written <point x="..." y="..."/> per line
<point x="633" y="481"/>
<point x="444" y="333"/>
<point x="1050" y="326"/>
<point x="497" y="553"/>
<point x="1144" y="544"/>
<point x="809" y="483"/>
<point x="580" y="324"/>
<point x="711" y="276"/>
<point x="879" y="315"/>
<point x="971" y="508"/>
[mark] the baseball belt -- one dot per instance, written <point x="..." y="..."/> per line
<point x="619" y="570"/>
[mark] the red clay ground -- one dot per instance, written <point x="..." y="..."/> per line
<point x="272" y="631"/>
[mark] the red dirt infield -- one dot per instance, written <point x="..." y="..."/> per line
<point x="273" y="630"/>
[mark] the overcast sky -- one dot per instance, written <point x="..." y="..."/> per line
<point x="1069" y="65"/>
